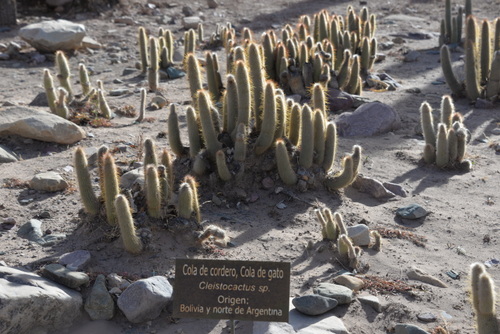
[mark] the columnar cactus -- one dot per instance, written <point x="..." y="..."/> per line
<point x="154" y="65"/>
<point x="174" y="137"/>
<point x="483" y="300"/>
<point x="192" y="68"/>
<point x="131" y="242"/>
<point x="285" y="170"/>
<point x="64" y="74"/>
<point x="207" y="124"/>
<point x="104" y="109"/>
<point x="266" y="136"/>
<point x="143" y="49"/>
<point x="84" y="79"/>
<point x="111" y="187"/>
<point x="222" y="169"/>
<point x="150" y="153"/>
<point x="61" y="107"/>
<point x="153" y="191"/>
<point x="89" y="199"/>
<point x="48" y="84"/>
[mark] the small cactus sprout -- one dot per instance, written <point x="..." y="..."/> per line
<point x="64" y="73"/>
<point x="452" y="146"/>
<point x="143" y="49"/>
<point x="356" y="159"/>
<point x="84" y="79"/>
<point x="165" y="188"/>
<point x="461" y="144"/>
<point x="429" y="153"/>
<point x="142" y="106"/>
<point x="185" y="201"/>
<point x="61" y="107"/>
<point x="131" y="242"/>
<point x="48" y="84"/>
<point x="89" y="199"/>
<point x="343" y="246"/>
<point x="222" y="169"/>
<point x="103" y="105"/>
<point x="110" y="186"/>
<point x="285" y="170"/>
<point x="149" y="152"/>
<point x="266" y="136"/>
<point x="447" y="110"/>
<point x="483" y="300"/>
<point x="100" y="163"/>
<point x="377" y="243"/>
<point x="343" y="178"/>
<point x="174" y="137"/>
<point x="153" y="192"/>
<point x="442" y="150"/>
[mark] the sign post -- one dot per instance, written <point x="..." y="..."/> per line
<point x="243" y="290"/>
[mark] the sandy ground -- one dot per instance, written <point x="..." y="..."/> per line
<point x="463" y="206"/>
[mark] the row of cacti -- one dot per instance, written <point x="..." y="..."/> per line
<point x="483" y="298"/>
<point x="158" y="191"/>
<point x="334" y="230"/>
<point x="446" y="143"/>
<point x="59" y="100"/>
<point x="451" y="26"/>
<point x="482" y="62"/>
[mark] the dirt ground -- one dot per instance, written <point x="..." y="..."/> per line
<point x="464" y="207"/>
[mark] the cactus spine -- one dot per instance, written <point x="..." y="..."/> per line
<point x="174" y="137"/>
<point x="266" y="136"/>
<point x="285" y="170"/>
<point x="153" y="192"/>
<point x="111" y="187"/>
<point x="89" y="199"/>
<point x="483" y="300"/>
<point x="131" y="242"/>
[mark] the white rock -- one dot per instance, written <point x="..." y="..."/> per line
<point x="371" y="301"/>
<point x="6" y="155"/>
<point x="360" y="234"/>
<point x="44" y="126"/>
<point x="49" y="181"/>
<point x="31" y="302"/>
<point x="191" y="22"/>
<point x="90" y="43"/>
<point x="50" y="36"/>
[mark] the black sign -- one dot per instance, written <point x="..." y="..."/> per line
<point x="244" y="290"/>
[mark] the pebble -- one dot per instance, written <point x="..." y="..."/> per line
<point x="191" y="22"/>
<point x="371" y="301"/>
<point x="212" y="4"/>
<point x="8" y="223"/>
<point x="351" y="282"/>
<point x="267" y="183"/>
<point x="426" y="317"/>
<point x="4" y="56"/>
<point x="314" y="304"/>
<point x="411" y="56"/>
<point x="360" y="234"/>
<point x="341" y="293"/>
<point x="128" y="70"/>
<point x="76" y="260"/>
<point x="187" y="11"/>
<point x="396" y="189"/>
<point x="49" y="181"/>
<point x="412" y="211"/>
<point x="32" y="231"/>
<point x="64" y="276"/>
<point x="386" y="45"/>
<point x="119" y="92"/>
<point x="408" y="329"/>
<point x="373" y="187"/>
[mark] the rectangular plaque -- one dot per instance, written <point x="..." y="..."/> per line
<point x="243" y="290"/>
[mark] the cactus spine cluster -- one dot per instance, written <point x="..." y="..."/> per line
<point x="483" y="300"/>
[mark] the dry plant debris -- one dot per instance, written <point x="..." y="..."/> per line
<point x="401" y="234"/>
<point x="383" y="286"/>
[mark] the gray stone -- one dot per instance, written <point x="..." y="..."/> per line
<point x="30" y="302"/>
<point x="412" y="211"/>
<point x="373" y="187"/>
<point x="314" y="304"/>
<point x="6" y="155"/>
<point x="426" y="317"/>
<point x="411" y="56"/>
<point x="4" y="56"/>
<point x="119" y="92"/>
<point x="187" y="11"/>
<point x="339" y="100"/>
<point x="32" y="231"/>
<point x="360" y="234"/>
<point x="116" y="281"/>
<point x="408" y="329"/>
<point x="212" y="4"/>
<point x="144" y="299"/>
<point x="88" y="42"/>
<point x="369" y="119"/>
<point x="191" y="22"/>
<point x="50" y="36"/>
<point x="44" y="126"/>
<point x="263" y="327"/>
<point x="99" y="304"/>
<point x="132" y="177"/>
<point x="60" y="274"/>
<point x="76" y="260"/>
<point x="341" y="293"/>
<point x="396" y="189"/>
<point x="49" y="181"/>
<point x="371" y="301"/>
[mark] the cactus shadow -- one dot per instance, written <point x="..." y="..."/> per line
<point x="426" y="176"/>
<point x="410" y="223"/>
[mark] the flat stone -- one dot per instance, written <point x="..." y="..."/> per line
<point x="351" y="282"/>
<point x="420" y="275"/>
<point x="412" y="211"/>
<point x="30" y="302"/>
<point x="49" y="181"/>
<point x="371" y="301"/>
<point x="39" y="125"/>
<point x="411" y="56"/>
<point x="119" y="92"/>
<point x="60" y="274"/>
<point x="88" y="42"/>
<point x="99" y="304"/>
<point x="50" y="36"/>
<point x="427" y="317"/>
<point x="396" y="189"/>
<point x="76" y="260"/>
<point x="191" y="22"/>
<point x="144" y="299"/>
<point x="373" y="187"/>
<point x="341" y="293"/>
<point x="369" y="119"/>
<point x="6" y="155"/>
<point x="408" y="329"/>
<point x="314" y="304"/>
<point x="360" y="234"/>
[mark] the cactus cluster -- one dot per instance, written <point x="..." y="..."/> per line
<point x="446" y="143"/>
<point x="158" y="192"/>
<point x="333" y="229"/>
<point x="483" y="298"/>
<point x="482" y="62"/>
<point x="451" y="26"/>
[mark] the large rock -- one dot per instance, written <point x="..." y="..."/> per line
<point x="39" y="125"/>
<point x="368" y="120"/>
<point x="342" y="294"/>
<point x="48" y="181"/>
<point x="314" y="304"/>
<point x="62" y="275"/>
<point x="50" y="36"/>
<point x="29" y="302"/>
<point x="6" y="155"/>
<point x="144" y="299"/>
